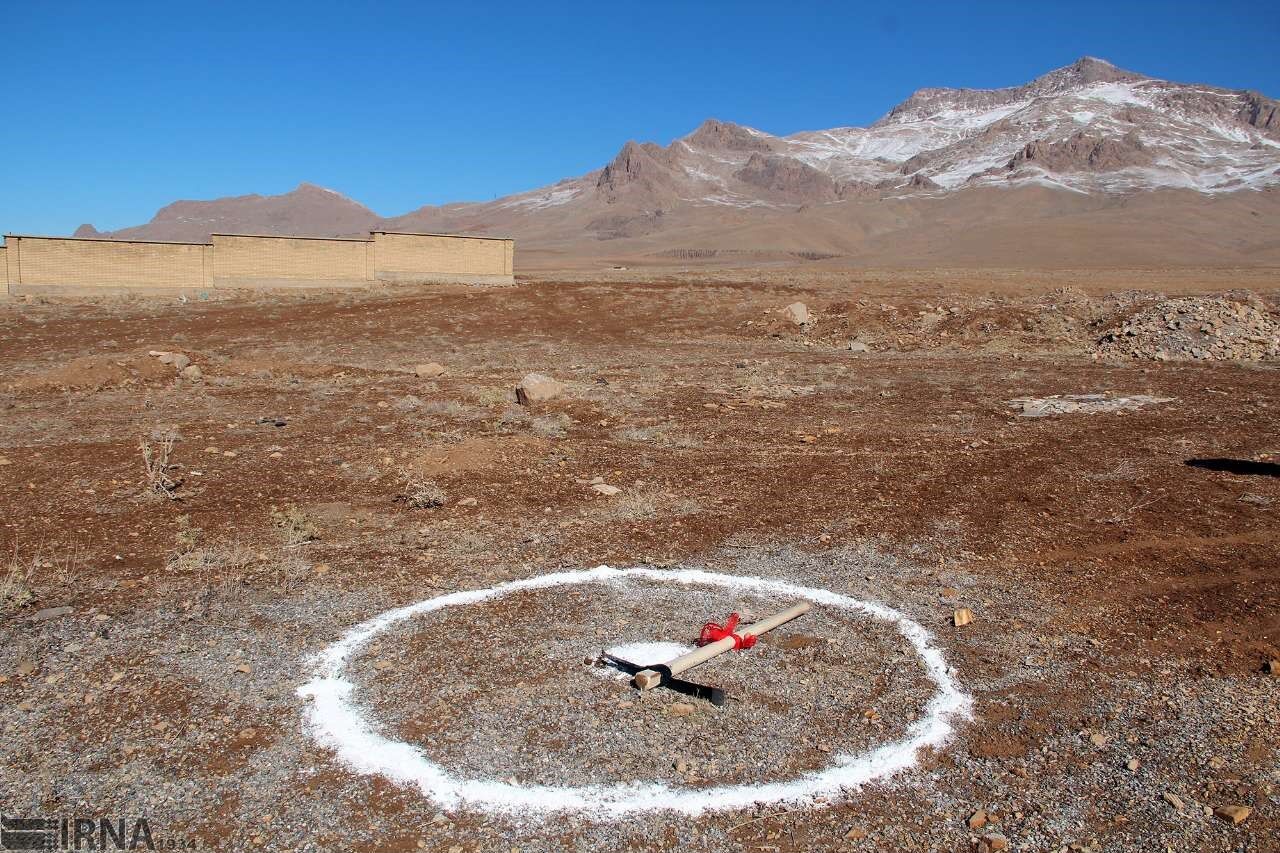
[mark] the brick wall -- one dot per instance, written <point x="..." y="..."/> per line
<point x="240" y="261"/>
<point x="64" y="264"/>
<point x="429" y="257"/>
<point x="71" y="265"/>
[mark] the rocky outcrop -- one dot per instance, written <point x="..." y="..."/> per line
<point x="1082" y="152"/>
<point x="716" y="135"/>
<point x="87" y="230"/>
<point x="1261" y="112"/>
<point x="637" y="167"/>
<point x="786" y="177"/>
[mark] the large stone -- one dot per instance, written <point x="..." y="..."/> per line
<point x="1232" y="814"/>
<point x="798" y="313"/>
<point x="51" y="613"/>
<point x="536" y="388"/>
<point x="430" y="370"/>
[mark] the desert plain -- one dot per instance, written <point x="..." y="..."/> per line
<point x="1078" y="465"/>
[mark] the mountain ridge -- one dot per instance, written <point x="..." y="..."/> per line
<point x="1089" y="128"/>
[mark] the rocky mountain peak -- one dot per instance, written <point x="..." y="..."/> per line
<point x="716" y="135"/>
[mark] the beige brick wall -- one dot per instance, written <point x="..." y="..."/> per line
<point x="240" y="261"/>
<point x="67" y="264"/>
<point x="420" y="257"/>
<point x="37" y="263"/>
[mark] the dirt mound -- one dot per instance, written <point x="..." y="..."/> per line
<point x="1209" y="329"/>
<point x="97" y="371"/>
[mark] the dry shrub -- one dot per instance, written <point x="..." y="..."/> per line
<point x="17" y="578"/>
<point x="551" y="426"/>
<point x="424" y="494"/>
<point x="296" y="523"/>
<point x="156" y="465"/>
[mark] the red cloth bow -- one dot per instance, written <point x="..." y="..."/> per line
<point x="711" y="632"/>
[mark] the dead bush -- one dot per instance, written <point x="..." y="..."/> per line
<point x="156" y="466"/>
<point x="297" y="525"/>
<point x="423" y="494"/>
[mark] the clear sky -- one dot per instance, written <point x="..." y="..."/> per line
<point x="115" y="109"/>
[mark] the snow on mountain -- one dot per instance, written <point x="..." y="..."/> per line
<point x="1090" y="128"/>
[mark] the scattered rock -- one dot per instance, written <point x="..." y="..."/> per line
<point x="1133" y="764"/>
<point x="192" y="373"/>
<point x="605" y="489"/>
<point x="993" y="842"/>
<point x="797" y="313"/>
<point x="858" y="346"/>
<point x="978" y="819"/>
<point x="1172" y="799"/>
<point x="430" y="370"/>
<point x="961" y="617"/>
<point x="1232" y="814"/>
<point x="467" y="502"/>
<point x="855" y="833"/>
<point x="1196" y="329"/>
<point x="1089" y="404"/>
<point x="536" y="388"/>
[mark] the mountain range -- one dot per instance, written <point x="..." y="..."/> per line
<point x="1088" y="164"/>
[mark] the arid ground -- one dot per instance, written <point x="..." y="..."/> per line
<point x="1125" y="604"/>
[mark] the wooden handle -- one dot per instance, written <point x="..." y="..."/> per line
<point x="649" y="679"/>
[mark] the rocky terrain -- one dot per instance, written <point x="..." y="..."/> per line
<point x="1036" y="467"/>
<point x="1086" y="165"/>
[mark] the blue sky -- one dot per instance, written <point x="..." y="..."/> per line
<point x="116" y="109"/>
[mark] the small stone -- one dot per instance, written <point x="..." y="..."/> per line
<point x="430" y="370"/>
<point x="978" y="819"/>
<point x="1232" y="814"/>
<point x="1133" y="764"/>
<point x="605" y="489"/>
<point x="995" y="841"/>
<point x="961" y="617"/>
<point x="25" y="667"/>
<point x="192" y="373"/>
<point x="1099" y="739"/>
<point x="244" y="668"/>
<point x="383" y="665"/>
<point x="321" y="569"/>
<point x="467" y="502"/>
<point x="855" y="833"/>
<point x="797" y="313"/>
<point x="536" y="388"/>
<point x="1172" y="799"/>
<point x="858" y="346"/>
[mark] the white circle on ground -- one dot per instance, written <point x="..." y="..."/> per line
<point x="340" y="724"/>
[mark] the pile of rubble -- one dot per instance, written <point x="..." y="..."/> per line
<point x="1233" y="328"/>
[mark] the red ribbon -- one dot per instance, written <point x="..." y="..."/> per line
<point x="711" y="632"/>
